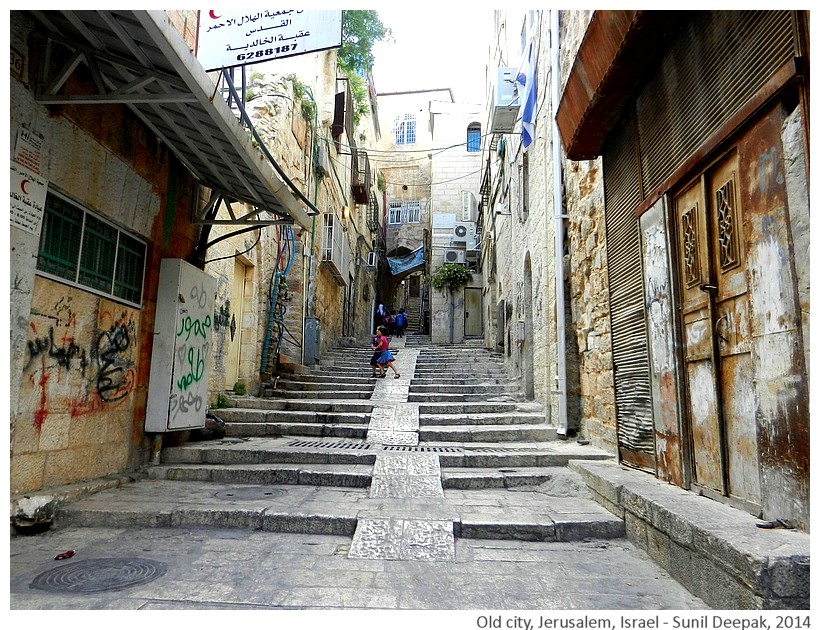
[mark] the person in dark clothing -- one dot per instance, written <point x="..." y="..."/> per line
<point x="390" y="323"/>
<point x="401" y="322"/>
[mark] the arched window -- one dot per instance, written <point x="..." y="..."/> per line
<point x="404" y="129"/>
<point x="473" y="137"/>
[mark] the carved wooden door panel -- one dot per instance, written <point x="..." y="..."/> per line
<point x="716" y="336"/>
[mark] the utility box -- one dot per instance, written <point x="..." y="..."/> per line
<point x="505" y="101"/>
<point x="180" y="360"/>
<point x="310" y="341"/>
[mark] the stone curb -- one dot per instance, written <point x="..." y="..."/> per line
<point x="714" y="550"/>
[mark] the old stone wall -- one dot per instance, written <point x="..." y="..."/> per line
<point x="80" y="362"/>
<point x="587" y="270"/>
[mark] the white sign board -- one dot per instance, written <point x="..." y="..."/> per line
<point x="236" y="38"/>
<point x="28" y="199"/>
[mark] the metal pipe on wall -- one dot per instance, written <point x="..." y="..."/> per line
<point x="557" y="175"/>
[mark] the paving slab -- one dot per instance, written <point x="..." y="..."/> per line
<point x="215" y="569"/>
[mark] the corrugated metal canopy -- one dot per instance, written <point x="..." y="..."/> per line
<point x="138" y="59"/>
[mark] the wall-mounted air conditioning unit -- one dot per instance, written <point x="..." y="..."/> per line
<point x="455" y="256"/>
<point x="505" y="101"/>
<point x="371" y="259"/>
<point x="469" y="206"/>
<point x="463" y="232"/>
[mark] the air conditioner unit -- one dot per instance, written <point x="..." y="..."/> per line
<point x="463" y="232"/>
<point x="469" y="206"/>
<point x="505" y="101"/>
<point x="455" y="256"/>
<point x="371" y="259"/>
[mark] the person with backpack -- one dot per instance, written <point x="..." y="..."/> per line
<point x="401" y="322"/>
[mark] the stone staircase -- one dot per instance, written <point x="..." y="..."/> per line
<point x="329" y="451"/>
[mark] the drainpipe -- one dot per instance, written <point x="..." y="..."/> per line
<point x="557" y="201"/>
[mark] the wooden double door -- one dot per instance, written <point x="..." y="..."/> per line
<point x="717" y="344"/>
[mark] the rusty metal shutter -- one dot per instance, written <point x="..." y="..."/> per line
<point x="717" y="63"/>
<point x="630" y="355"/>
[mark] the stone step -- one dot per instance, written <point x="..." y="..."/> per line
<point x="271" y="451"/>
<point x="327" y="378"/>
<point x="468" y="408"/>
<point x="485" y="389"/>
<point x="455" y="371"/>
<point x="330" y="510"/>
<point x="473" y="433"/>
<point x="276" y="429"/>
<point x="517" y="417"/>
<point x="343" y="475"/>
<point x="338" y="394"/>
<point x="464" y="380"/>
<point x="328" y="406"/>
<point x="549" y="479"/>
<point x="495" y="456"/>
<point x="261" y="416"/>
<point x="328" y="386"/>
<point x="430" y="397"/>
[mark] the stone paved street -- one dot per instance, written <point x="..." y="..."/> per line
<point x="207" y="568"/>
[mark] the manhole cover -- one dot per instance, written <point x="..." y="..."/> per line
<point x="100" y="574"/>
<point x="251" y="492"/>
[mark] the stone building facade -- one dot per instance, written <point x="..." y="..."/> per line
<point x="673" y="266"/>
<point x="83" y="326"/>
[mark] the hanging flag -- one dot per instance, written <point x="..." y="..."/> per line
<point x="525" y="82"/>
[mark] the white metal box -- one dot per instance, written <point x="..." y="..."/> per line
<point x="505" y="101"/>
<point x="180" y="359"/>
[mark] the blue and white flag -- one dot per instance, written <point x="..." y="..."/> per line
<point x="525" y="81"/>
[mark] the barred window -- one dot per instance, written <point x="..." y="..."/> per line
<point x="404" y="129"/>
<point x="404" y="212"/>
<point x="80" y="248"/>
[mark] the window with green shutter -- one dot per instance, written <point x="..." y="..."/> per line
<point x="83" y="249"/>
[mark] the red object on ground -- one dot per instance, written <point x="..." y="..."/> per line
<point x="64" y="555"/>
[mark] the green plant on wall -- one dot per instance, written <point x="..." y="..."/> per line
<point x="451" y="276"/>
<point x="302" y="98"/>
<point x="253" y="83"/>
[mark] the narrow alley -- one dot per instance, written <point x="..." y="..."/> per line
<point x="589" y="255"/>
<point x="340" y="491"/>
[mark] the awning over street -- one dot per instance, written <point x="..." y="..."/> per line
<point x="402" y="265"/>
<point x="138" y="59"/>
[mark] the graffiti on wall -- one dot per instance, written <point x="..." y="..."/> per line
<point x="76" y="363"/>
<point x="189" y="388"/>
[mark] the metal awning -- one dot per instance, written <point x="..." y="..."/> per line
<point x="617" y="49"/>
<point x="138" y="59"/>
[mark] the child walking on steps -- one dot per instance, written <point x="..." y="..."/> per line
<point x="386" y="358"/>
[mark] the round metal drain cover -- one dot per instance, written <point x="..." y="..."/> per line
<point x="100" y="574"/>
<point x="249" y="493"/>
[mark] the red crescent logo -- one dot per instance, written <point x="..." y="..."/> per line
<point x="213" y="15"/>
<point x="23" y="186"/>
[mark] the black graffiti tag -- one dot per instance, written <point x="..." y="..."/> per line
<point x="113" y="381"/>
<point x="62" y="355"/>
